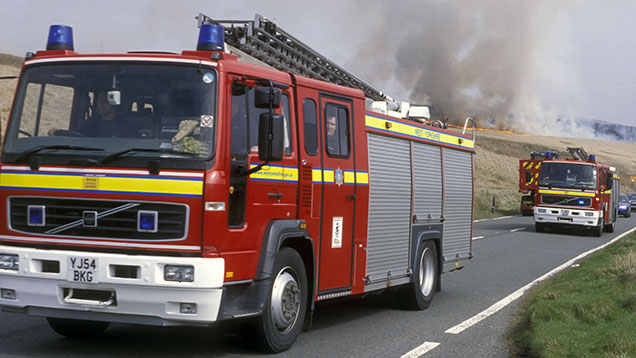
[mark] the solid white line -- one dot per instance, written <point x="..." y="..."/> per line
<point x="421" y="350"/>
<point x="503" y="217"/>
<point x="478" y="238"/>
<point x="518" y="229"/>
<point x="515" y="295"/>
<point x="497" y="218"/>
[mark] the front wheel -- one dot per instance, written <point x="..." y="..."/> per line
<point x="73" y="328"/>
<point x="419" y="293"/>
<point x="284" y="313"/>
<point x="610" y="227"/>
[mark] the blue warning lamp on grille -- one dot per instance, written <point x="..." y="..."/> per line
<point x="211" y="38"/>
<point x="60" y="38"/>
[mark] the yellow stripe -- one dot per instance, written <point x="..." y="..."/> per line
<point x="538" y="164"/>
<point x="414" y="131"/>
<point x="349" y="177"/>
<point x="95" y="183"/>
<point x="329" y="176"/>
<point x="559" y="192"/>
<point x="276" y="173"/>
<point x="316" y="175"/>
<point x="362" y="178"/>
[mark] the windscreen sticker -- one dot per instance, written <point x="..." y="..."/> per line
<point x="207" y="121"/>
<point x="208" y="78"/>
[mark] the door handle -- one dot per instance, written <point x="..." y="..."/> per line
<point x="275" y="195"/>
<point x="352" y="196"/>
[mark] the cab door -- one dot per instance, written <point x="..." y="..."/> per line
<point x="338" y="194"/>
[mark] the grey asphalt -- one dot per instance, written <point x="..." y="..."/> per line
<point x="371" y="327"/>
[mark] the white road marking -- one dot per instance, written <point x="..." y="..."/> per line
<point x="497" y="218"/>
<point x="478" y="237"/>
<point x="515" y="295"/>
<point x="518" y="229"/>
<point x="421" y="350"/>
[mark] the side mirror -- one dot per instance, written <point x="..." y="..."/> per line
<point x="528" y="176"/>
<point x="275" y="141"/>
<point x="262" y="97"/>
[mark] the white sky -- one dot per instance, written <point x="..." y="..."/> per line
<point x="595" y="43"/>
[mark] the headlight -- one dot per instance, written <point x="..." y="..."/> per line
<point x="9" y="262"/>
<point x="542" y="211"/>
<point x="589" y="213"/>
<point x="178" y="273"/>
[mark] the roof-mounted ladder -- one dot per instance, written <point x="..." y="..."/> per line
<point x="265" y="41"/>
<point x="579" y="153"/>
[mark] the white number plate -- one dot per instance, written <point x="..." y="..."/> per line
<point x="82" y="269"/>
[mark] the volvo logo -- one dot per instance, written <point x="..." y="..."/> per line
<point x="89" y="218"/>
<point x="565" y="212"/>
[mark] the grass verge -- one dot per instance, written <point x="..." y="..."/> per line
<point x="587" y="311"/>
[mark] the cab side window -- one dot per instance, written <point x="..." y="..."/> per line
<point x="310" y="126"/>
<point x="337" y="131"/>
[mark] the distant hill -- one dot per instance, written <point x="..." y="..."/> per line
<point x="10" y="60"/>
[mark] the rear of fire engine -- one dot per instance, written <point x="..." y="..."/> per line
<point x="186" y="189"/>
<point x="576" y="193"/>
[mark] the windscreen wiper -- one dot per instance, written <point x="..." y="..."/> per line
<point x="116" y="155"/>
<point x="28" y="153"/>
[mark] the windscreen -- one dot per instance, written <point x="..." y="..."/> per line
<point x="568" y="175"/>
<point x="165" y="112"/>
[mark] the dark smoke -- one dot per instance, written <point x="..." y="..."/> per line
<point x="497" y="61"/>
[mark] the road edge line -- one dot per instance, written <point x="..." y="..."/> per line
<point x="518" y="293"/>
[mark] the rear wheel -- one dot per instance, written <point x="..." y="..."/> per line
<point x="419" y="293"/>
<point x="610" y="227"/>
<point x="284" y="313"/>
<point x="73" y="328"/>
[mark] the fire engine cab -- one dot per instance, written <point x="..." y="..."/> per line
<point x="576" y="192"/>
<point x="186" y="189"/>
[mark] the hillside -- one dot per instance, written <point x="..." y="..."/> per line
<point x="9" y="66"/>
<point x="496" y="162"/>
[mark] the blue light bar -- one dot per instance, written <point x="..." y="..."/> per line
<point x="548" y="155"/>
<point x="60" y="38"/>
<point x="211" y="38"/>
<point x="592" y="158"/>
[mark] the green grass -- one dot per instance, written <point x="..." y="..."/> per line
<point x="587" y="311"/>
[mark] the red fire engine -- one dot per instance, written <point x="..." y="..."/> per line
<point x="576" y="192"/>
<point x="186" y="189"/>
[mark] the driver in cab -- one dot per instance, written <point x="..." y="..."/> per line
<point x="106" y="121"/>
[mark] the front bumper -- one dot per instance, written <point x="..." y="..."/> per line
<point x="128" y="288"/>
<point x="561" y="216"/>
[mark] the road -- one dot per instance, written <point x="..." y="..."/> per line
<point x="509" y="255"/>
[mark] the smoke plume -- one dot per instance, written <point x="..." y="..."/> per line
<point x="495" y="61"/>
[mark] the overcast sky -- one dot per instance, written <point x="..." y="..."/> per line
<point x="531" y="59"/>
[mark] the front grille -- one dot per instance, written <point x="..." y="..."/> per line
<point x="566" y="201"/>
<point x="115" y="219"/>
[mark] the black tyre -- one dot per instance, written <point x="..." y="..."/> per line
<point x="286" y="305"/>
<point x="629" y="214"/>
<point x="539" y="227"/>
<point x="610" y="227"/>
<point x="597" y="230"/>
<point x="419" y="294"/>
<point x="73" y="328"/>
